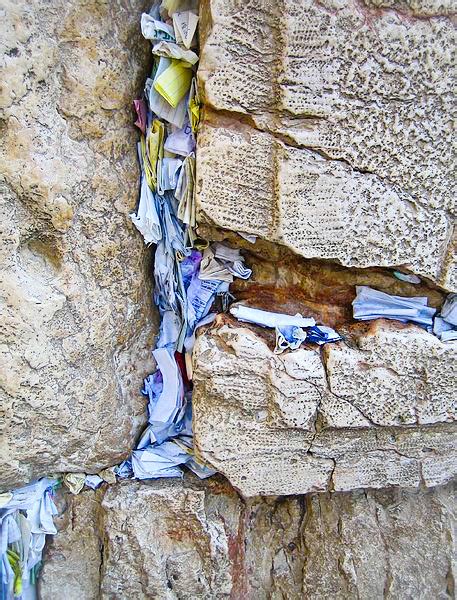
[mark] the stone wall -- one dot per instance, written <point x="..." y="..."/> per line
<point x="374" y="411"/>
<point x="191" y="540"/>
<point x="328" y="129"/>
<point x="76" y="288"/>
<point x="326" y="134"/>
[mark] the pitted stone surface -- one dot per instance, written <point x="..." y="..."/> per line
<point x="413" y="372"/>
<point x="71" y="567"/>
<point x="357" y="99"/>
<point x="375" y="411"/>
<point x="250" y="181"/>
<point x="76" y="317"/>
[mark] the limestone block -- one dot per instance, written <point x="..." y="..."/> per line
<point x="384" y="544"/>
<point x="357" y="99"/>
<point x="162" y="540"/>
<point x="254" y="413"/>
<point x="75" y="282"/>
<point x="250" y="181"/>
<point x="71" y="565"/>
<point x="365" y="413"/>
<point x="188" y="539"/>
<point x="413" y="372"/>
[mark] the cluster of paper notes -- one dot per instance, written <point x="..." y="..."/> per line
<point x="372" y="304"/>
<point x="291" y="331"/>
<point x="189" y="273"/>
<point x="167" y="117"/>
<point x="26" y="516"/>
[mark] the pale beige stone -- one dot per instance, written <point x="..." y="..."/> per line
<point x="75" y="278"/>
<point x="251" y="182"/>
<point x="334" y="132"/>
<point x="375" y="411"/>
<point x="71" y="565"/>
<point x="386" y="544"/>
<point x="395" y="376"/>
<point x="162" y="540"/>
<point x="188" y="539"/>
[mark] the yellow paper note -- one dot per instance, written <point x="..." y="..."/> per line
<point x="146" y="166"/>
<point x="193" y="107"/>
<point x="155" y="149"/>
<point x="174" y="83"/>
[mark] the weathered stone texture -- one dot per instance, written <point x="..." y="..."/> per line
<point x="191" y="540"/>
<point x="71" y="569"/>
<point x="334" y="132"/>
<point x="75" y="291"/>
<point x="386" y="544"/>
<point x="359" y="415"/>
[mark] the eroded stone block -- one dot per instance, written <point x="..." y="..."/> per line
<point x="75" y="284"/>
<point x="357" y="102"/>
<point x="188" y="539"/>
<point x="364" y="413"/>
<point x="250" y="181"/>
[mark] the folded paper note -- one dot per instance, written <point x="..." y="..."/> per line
<point x="181" y="141"/>
<point x="449" y="310"/>
<point x="146" y="219"/>
<point x="269" y="319"/>
<point x="173" y="83"/>
<point x="185" y="26"/>
<point x="153" y="29"/>
<point x="407" y="277"/>
<point x="158" y="104"/>
<point x="373" y="304"/>
<point x="222" y="262"/>
<point x="171" y="50"/>
<point x="289" y="337"/>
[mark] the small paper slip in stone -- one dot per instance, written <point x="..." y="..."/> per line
<point x="289" y="337"/>
<point x="184" y="192"/>
<point x="152" y="29"/>
<point x="269" y="319"/>
<point x="159" y="461"/>
<point x="169" y="174"/>
<point x="171" y="50"/>
<point x="173" y="83"/>
<point x="181" y="141"/>
<point x="372" y="304"/>
<point x="169" y="402"/>
<point x="185" y="25"/>
<point x="146" y="219"/>
<point x="449" y="310"/>
<point x="93" y="481"/>
<point x="408" y="277"/>
<point x="158" y="104"/>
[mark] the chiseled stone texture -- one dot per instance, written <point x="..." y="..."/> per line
<point x="75" y="288"/>
<point x="374" y="411"/>
<point x="187" y="539"/>
<point x="328" y="128"/>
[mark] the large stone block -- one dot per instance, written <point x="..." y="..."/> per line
<point x="250" y="181"/>
<point x="328" y="129"/>
<point x="75" y="287"/>
<point x="384" y="544"/>
<point x="185" y="539"/>
<point x="374" y="411"/>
